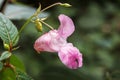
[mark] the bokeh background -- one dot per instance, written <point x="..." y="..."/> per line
<point x="97" y="36"/>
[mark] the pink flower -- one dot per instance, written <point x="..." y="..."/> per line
<point x="55" y="39"/>
<point x="70" y="56"/>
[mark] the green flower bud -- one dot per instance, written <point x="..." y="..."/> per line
<point x="39" y="8"/>
<point x="65" y="5"/>
<point x="6" y="46"/>
<point x="37" y="11"/>
<point x="38" y="25"/>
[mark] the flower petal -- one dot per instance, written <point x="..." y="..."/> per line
<point x="42" y="43"/>
<point x="50" y="42"/>
<point x="70" y="56"/>
<point x="66" y="26"/>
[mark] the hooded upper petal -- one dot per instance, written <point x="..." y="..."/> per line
<point x="66" y="26"/>
<point x="70" y="56"/>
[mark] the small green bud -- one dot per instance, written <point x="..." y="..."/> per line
<point x="6" y="46"/>
<point x="65" y="5"/>
<point x="38" y="25"/>
<point x="37" y="11"/>
<point x="39" y="8"/>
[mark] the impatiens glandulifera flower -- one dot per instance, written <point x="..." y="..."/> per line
<point x="56" y="41"/>
<point x="70" y="56"/>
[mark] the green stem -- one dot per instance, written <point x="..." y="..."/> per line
<point x="58" y="3"/>
<point x="47" y="24"/>
<point x="37" y="14"/>
<point x="25" y="24"/>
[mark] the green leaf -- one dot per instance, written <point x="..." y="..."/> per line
<point x="22" y="75"/>
<point x="7" y="74"/>
<point x="17" y="62"/>
<point x="1" y="66"/>
<point x="8" y="31"/>
<point x="5" y="55"/>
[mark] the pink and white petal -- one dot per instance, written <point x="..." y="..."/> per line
<point x="42" y="43"/>
<point x="66" y="26"/>
<point x="70" y="56"/>
<point x="56" y="40"/>
<point x="50" y="42"/>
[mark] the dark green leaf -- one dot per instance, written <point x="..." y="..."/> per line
<point x="16" y="62"/>
<point x="22" y="76"/>
<point x="8" y="31"/>
<point x="5" y="55"/>
<point x="10" y="74"/>
<point x="7" y="74"/>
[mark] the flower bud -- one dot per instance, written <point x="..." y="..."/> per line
<point x="38" y="25"/>
<point x="65" y="5"/>
<point x="37" y="11"/>
<point x="6" y="46"/>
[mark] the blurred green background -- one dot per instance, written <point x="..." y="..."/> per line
<point x="97" y="36"/>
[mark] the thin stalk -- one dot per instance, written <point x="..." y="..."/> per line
<point x="25" y="24"/>
<point x="58" y="3"/>
<point x="37" y="14"/>
<point x="47" y="24"/>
